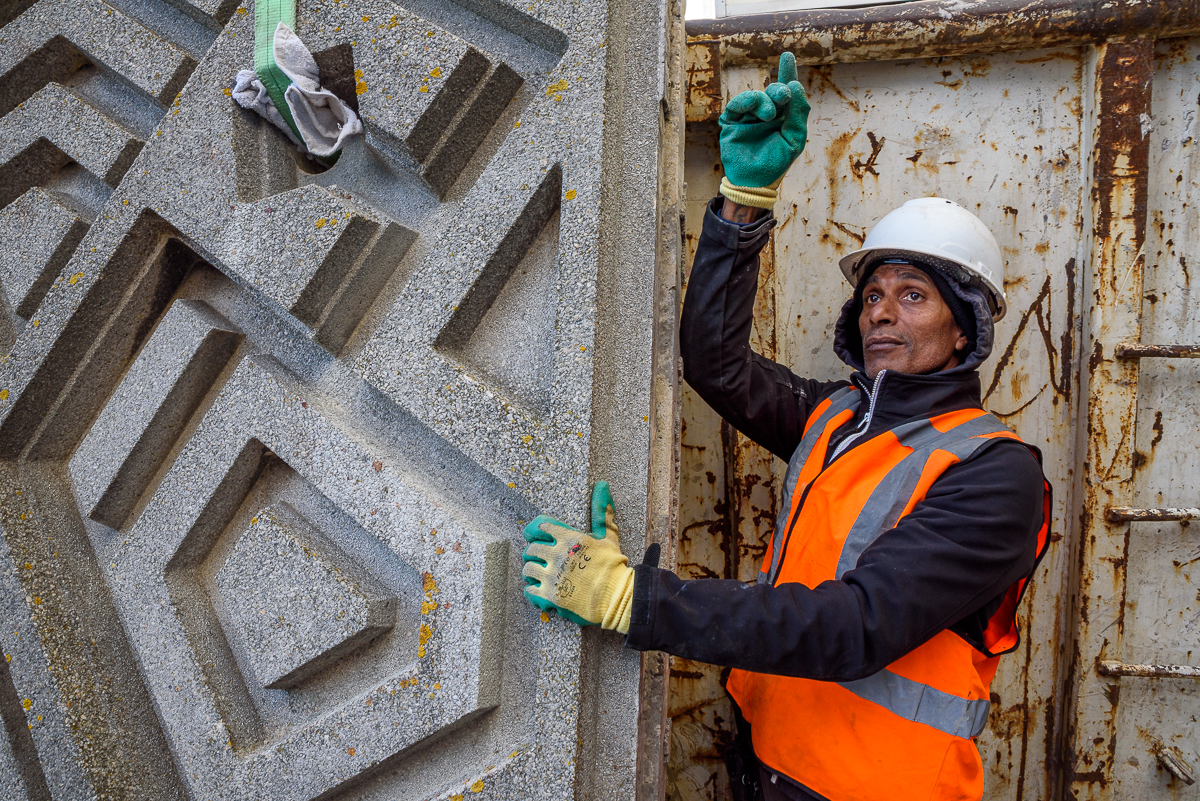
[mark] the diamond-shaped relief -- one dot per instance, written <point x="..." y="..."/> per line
<point x="292" y="604"/>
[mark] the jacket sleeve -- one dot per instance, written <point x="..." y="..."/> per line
<point x="764" y="400"/>
<point x="955" y="554"/>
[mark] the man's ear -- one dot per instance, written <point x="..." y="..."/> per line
<point x="961" y="342"/>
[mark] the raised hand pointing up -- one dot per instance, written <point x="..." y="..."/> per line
<point x="762" y="133"/>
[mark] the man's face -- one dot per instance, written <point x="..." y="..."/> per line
<point x="905" y="324"/>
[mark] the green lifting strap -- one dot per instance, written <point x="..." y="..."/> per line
<point x="267" y="16"/>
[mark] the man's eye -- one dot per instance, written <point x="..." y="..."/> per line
<point x="914" y="296"/>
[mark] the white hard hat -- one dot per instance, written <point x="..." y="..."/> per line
<point x="943" y="234"/>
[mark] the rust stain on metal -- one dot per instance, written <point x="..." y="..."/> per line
<point x="943" y="28"/>
<point x="1056" y="56"/>
<point x="859" y="235"/>
<point x="859" y="167"/>
<point x="955" y="84"/>
<point x="1059" y="355"/>
<point x="822" y="76"/>
<point x="703" y="80"/>
<point x="835" y="151"/>
<point x="1122" y="147"/>
<point x="1120" y="157"/>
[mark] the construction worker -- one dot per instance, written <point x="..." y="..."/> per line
<point x="911" y="519"/>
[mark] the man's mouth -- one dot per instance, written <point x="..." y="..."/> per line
<point x="882" y="342"/>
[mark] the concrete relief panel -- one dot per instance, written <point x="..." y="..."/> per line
<point x="269" y="429"/>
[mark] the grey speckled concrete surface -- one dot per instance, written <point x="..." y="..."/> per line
<point x="292" y="603"/>
<point x="269" y="431"/>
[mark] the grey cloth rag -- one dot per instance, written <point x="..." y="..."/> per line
<point x="324" y="121"/>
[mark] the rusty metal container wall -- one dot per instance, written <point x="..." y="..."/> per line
<point x="1080" y="157"/>
<point x="728" y="495"/>
<point x="1001" y="134"/>
<point x="1161" y="613"/>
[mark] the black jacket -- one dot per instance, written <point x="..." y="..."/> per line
<point x="946" y="565"/>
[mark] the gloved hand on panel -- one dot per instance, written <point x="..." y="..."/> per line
<point x="583" y="577"/>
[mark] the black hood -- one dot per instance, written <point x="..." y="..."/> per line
<point x="847" y="342"/>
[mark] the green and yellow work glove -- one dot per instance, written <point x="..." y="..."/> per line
<point x="762" y="133"/>
<point x="583" y="577"/>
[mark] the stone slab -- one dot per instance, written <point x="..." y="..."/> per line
<point x="39" y="234"/>
<point x="417" y="460"/>
<point x="76" y="128"/>
<point x="101" y="34"/>
<point x="134" y="435"/>
<point x="56" y="759"/>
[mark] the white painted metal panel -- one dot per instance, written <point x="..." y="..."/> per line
<point x="1002" y="135"/>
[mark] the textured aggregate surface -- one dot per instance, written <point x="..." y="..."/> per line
<point x="269" y="430"/>
<point x="290" y="604"/>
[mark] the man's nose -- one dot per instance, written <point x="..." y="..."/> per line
<point x="883" y="312"/>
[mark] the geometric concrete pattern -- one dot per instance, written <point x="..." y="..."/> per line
<point x="269" y="430"/>
<point x="294" y="611"/>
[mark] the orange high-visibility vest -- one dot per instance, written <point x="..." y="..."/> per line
<point x="906" y="732"/>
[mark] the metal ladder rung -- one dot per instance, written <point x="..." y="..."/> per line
<point x="1135" y="350"/>
<point x="1111" y="668"/>
<point x="1128" y="514"/>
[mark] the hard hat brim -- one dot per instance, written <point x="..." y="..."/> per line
<point x="855" y="264"/>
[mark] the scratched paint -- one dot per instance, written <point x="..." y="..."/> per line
<point x="703" y="64"/>
<point x="1001" y="134"/>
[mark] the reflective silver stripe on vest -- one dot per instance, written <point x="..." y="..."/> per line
<point x="882" y="510"/>
<point x="920" y="703"/>
<point x="911" y="700"/>
<point x="844" y="399"/>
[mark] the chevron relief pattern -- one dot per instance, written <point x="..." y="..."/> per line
<point x="269" y="431"/>
<point x="76" y="107"/>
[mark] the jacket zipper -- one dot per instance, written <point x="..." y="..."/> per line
<point x="866" y="422"/>
<point x="778" y="566"/>
<point x="787" y="539"/>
